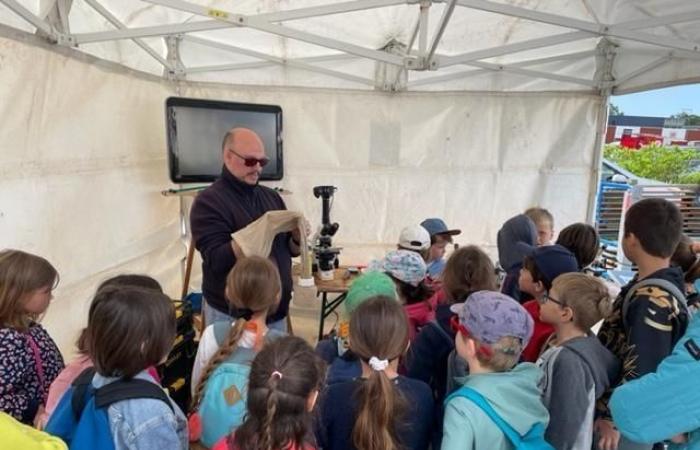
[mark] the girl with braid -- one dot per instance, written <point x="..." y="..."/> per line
<point x="285" y="379"/>
<point x="226" y="350"/>
<point x="380" y="410"/>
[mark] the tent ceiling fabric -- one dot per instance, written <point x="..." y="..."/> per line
<point x="472" y="45"/>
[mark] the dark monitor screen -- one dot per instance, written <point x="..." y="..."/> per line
<point x="196" y="129"/>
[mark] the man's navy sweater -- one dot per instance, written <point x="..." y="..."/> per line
<point x="225" y="207"/>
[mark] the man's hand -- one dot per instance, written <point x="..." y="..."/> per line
<point x="296" y="234"/>
<point x="237" y="252"/>
<point x="609" y="436"/>
<point x="680" y="439"/>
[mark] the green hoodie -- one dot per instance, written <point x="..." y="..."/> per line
<point x="515" y="397"/>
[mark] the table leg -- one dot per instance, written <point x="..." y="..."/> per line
<point x="324" y="301"/>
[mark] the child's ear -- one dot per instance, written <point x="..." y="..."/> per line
<point x="539" y="286"/>
<point x="567" y="314"/>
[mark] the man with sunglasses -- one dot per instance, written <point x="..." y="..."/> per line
<point x="230" y="204"/>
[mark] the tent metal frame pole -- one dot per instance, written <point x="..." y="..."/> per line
<point x="104" y="12"/>
<point x="280" y="61"/>
<point x="259" y="24"/>
<point x="624" y="30"/>
<point x="642" y="70"/>
<point x="605" y="64"/>
<point x="442" y="25"/>
<point x="530" y="44"/>
<point x="263" y="64"/>
<point x="519" y="64"/>
<point x="532" y="73"/>
<point x="30" y="17"/>
<point x="208" y="25"/>
<point x="424" y="22"/>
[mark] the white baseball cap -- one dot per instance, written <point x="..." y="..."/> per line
<point x="414" y="237"/>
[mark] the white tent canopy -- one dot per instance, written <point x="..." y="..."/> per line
<point x="524" y="45"/>
<point x="469" y="110"/>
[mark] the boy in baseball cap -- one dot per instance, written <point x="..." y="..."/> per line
<point x="440" y="236"/>
<point x="415" y="238"/>
<point x="541" y="266"/>
<point x="492" y="330"/>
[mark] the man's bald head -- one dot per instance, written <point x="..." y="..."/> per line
<point x="239" y="144"/>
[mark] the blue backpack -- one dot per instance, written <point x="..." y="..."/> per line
<point x="223" y="404"/>
<point x="80" y="418"/>
<point x="532" y="440"/>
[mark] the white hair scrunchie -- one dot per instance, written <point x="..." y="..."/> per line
<point x="378" y="364"/>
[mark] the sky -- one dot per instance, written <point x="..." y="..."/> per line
<point x="661" y="102"/>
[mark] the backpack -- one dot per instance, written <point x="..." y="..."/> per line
<point x="532" y="440"/>
<point x="665" y="285"/>
<point x="80" y="418"/>
<point x="456" y="365"/>
<point x="223" y="404"/>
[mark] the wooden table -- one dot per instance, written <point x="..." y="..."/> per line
<point x="342" y="279"/>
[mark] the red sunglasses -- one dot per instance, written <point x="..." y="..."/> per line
<point x="457" y="327"/>
<point x="251" y="162"/>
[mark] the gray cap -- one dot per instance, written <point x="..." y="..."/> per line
<point x="490" y="315"/>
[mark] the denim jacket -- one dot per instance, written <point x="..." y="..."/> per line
<point x="145" y="424"/>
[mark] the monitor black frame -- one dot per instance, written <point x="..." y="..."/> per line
<point x="171" y="102"/>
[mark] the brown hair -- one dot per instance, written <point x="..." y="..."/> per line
<point x="468" y="270"/>
<point x="378" y="328"/>
<point x="282" y="377"/>
<point x="538" y="215"/>
<point x="684" y="256"/>
<point x="21" y="274"/>
<point x="129" y="329"/>
<point x="582" y="240"/>
<point x="586" y="295"/>
<point x="131" y="280"/>
<point x="656" y="222"/>
<point x="253" y="284"/>
<point x="537" y="276"/>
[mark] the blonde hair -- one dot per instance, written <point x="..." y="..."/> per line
<point x="505" y="353"/>
<point x="539" y="215"/>
<point x="21" y="274"/>
<point x="587" y="296"/>
<point x="254" y="284"/>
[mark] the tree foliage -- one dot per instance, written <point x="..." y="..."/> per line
<point x="666" y="164"/>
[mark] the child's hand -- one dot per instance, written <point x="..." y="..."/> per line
<point x="609" y="436"/>
<point x="39" y="418"/>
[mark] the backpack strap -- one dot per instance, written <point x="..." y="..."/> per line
<point x="81" y="385"/>
<point x="483" y="404"/>
<point x="665" y="285"/>
<point x="112" y="393"/>
<point x="129" y="390"/>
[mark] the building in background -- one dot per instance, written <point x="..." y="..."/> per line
<point x="636" y="131"/>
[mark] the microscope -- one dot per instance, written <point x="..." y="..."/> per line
<point x="325" y="255"/>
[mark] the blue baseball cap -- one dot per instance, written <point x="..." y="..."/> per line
<point x="490" y="316"/>
<point x="551" y="260"/>
<point x="438" y="226"/>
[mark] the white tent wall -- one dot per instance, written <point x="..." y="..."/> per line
<point x="82" y="166"/>
<point x="83" y="162"/>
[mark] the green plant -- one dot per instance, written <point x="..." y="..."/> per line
<point x="667" y="164"/>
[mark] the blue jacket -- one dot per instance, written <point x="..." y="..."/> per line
<point x="515" y="397"/>
<point x="664" y="403"/>
<point x="145" y="424"/>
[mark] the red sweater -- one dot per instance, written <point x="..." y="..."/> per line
<point x="541" y="333"/>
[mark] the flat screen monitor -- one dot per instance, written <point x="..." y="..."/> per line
<point x="196" y="129"/>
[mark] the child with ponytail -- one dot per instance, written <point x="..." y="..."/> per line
<point x="381" y="410"/>
<point x="577" y="368"/>
<point x="226" y="350"/>
<point x="285" y="379"/>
